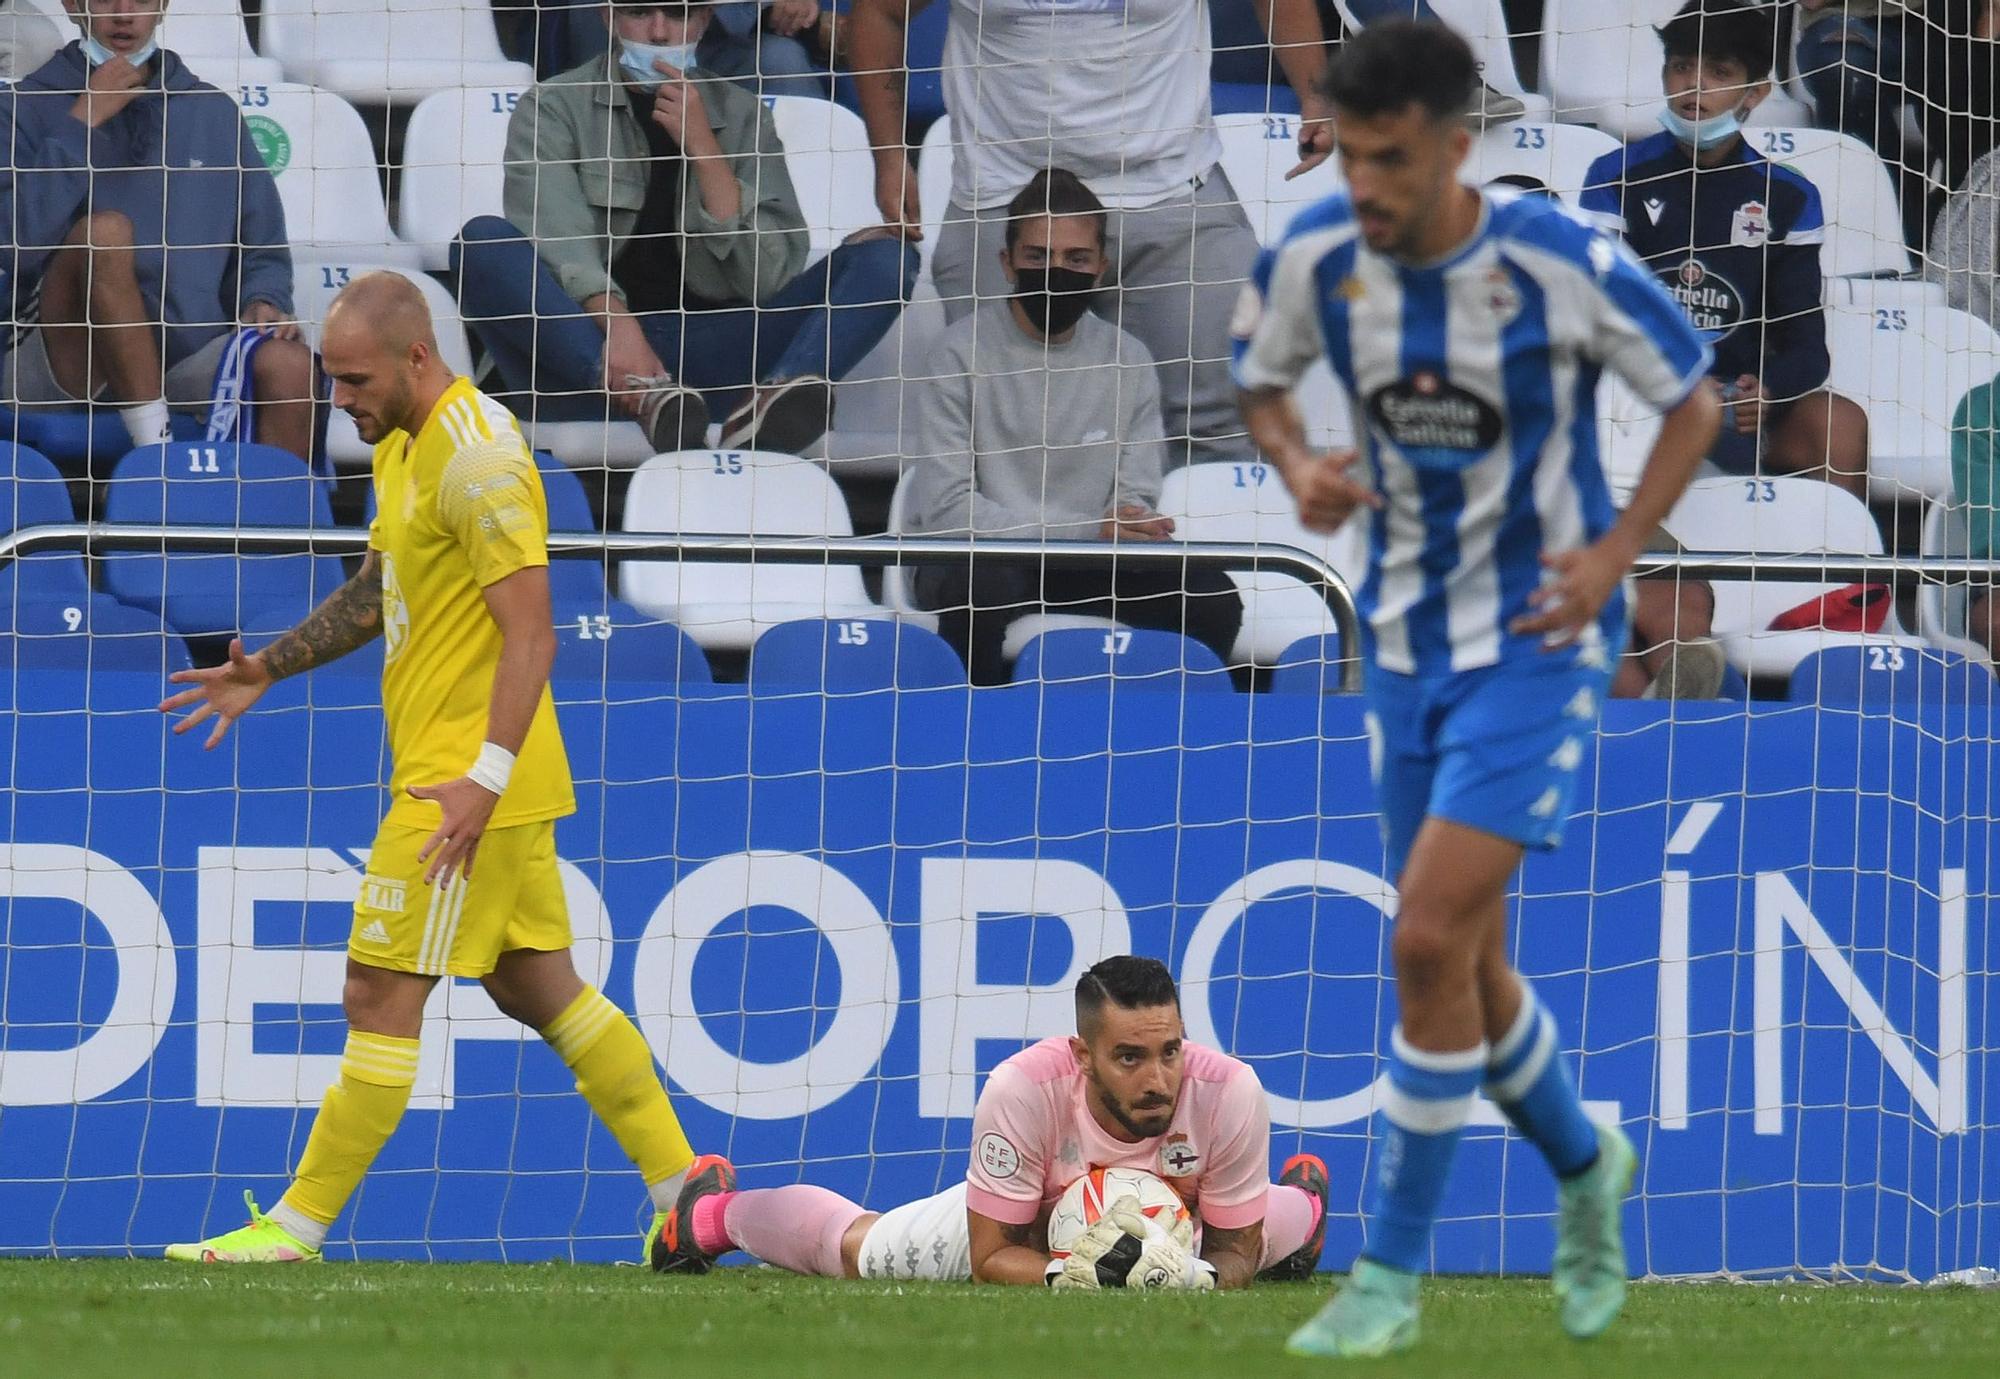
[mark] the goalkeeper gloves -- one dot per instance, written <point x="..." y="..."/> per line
<point x="1126" y="1250"/>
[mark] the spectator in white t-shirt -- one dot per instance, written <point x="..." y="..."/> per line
<point x="1117" y="91"/>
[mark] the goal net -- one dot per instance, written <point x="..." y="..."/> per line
<point x="833" y="879"/>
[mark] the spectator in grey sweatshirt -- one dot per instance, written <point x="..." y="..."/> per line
<point x="1044" y="423"/>
<point x="142" y="232"/>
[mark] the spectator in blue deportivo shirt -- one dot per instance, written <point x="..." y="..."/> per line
<point x="1736" y="239"/>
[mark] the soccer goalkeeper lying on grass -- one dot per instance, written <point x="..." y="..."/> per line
<point x="1128" y="1090"/>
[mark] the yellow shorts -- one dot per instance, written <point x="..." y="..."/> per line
<point x="514" y="900"/>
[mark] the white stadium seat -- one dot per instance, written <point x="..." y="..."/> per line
<point x="1908" y="367"/>
<point x="1601" y="65"/>
<point x="1864" y="225"/>
<point x="1257" y="152"/>
<point x="1783" y="516"/>
<point x="1483" y="24"/>
<point x="833" y="172"/>
<point x="210" y="37"/>
<point x="725" y="606"/>
<point x="324" y="162"/>
<point x="453" y="166"/>
<point x="934" y="186"/>
<point x="1942" y="608"/>
<point x="1556" y="155"/>
<point x="388" y="52"/>
<point x="316" y="282"/>
<point x="1247" y="501"/>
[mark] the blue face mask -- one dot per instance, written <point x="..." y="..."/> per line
<point x="638" y="58"/>
<point x="98" y="54"/>
<point x="1703" y="134"/>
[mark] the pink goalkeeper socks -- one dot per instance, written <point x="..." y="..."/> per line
<point x="1290" y="1217"/>
<point x="798" y="1228"/>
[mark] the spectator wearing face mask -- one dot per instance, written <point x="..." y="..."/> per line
<point x="1044" y="424"/>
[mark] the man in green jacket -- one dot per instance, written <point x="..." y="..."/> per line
<point x="664" y="256"/>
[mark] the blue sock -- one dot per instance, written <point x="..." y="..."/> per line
<point x="1529" y="1080"/>
<point x="1423" y="1113"/>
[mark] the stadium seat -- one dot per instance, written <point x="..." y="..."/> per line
<point x="1864" y="224"/>
<point x="1483" y="24"/>
<point x="1909" y="367"/>
<point x="82" y="632"/>
<point x="454" y="164"/>
<point x="1942" y="608"/>
<point x="724" y="606"/>
<point x="833" y="171"/>
<point x="319" y="151"/>
<point x="852" y="655"/>
<point x="1785" y="516"/>
<point x="934" y="187"/>
<point x="1892" y="676"/>
<point x="1248" y="502"/>
<point x="388" y="52"/>
<point x="33" y="494"/>
<point x="315" y="283"/>
<point x="1310" y="665"/>
<point x="1257" y="152"/>
<point x="572" y="578"/>
<point x="1601" y="65"/>
<point x="602" y="639"/>
<point x="211" y="38"/>
<point x="1136" y="657"/>
<point x="196" y="483"/>
<point x="1556" y="155"/>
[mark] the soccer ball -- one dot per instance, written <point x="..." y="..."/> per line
<point x="1085" y="1202"/>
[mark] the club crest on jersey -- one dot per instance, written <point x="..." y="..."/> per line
<point x="1503" y="299"/>
<point x="1433" y="421"/>
<point x="1711" y="301"/>
<point x="1751" y="227"/>
<point x="1178" y="1158"/>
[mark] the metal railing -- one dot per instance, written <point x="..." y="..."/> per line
<point x="91" y="538"/>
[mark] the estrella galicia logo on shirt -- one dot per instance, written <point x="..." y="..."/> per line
<point x="1711" y="301"/>
<point x="1433" y="421"/>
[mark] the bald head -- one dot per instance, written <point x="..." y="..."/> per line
<point x="381" y="352"/>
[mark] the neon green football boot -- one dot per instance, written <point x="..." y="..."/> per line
<point x="1373" y="1314"/>
<point x="263" y="1241"/>
<point x="1590" y="1237"/>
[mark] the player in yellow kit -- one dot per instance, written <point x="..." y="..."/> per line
<point x="456" y="583"/>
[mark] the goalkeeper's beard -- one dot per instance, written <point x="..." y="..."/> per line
<point x="1144" y="1122"/>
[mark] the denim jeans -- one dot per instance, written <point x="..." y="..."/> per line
<point x="824" y="321"/>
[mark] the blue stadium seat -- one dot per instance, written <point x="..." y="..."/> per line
<point x="851" y="655"/>
<point x="83" y="438"/>
<point x="1138" y="657"/>
<point x="574" y="577"/>
<point x="1889" y="675"/>
<point x="46" y="630"/>
<point x="33" y="494"/>
<point x="1310" y="665"/>
<point x="601" y="639"/>
<point x="223" y="485"/>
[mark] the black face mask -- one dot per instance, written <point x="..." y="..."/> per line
<point x="1054" y="298"/>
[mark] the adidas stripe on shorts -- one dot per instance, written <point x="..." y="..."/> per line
<point x="514" y="899"/>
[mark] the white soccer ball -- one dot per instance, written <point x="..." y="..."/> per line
<point x="1087" y="1199"/>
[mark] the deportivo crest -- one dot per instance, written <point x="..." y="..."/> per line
<point x="1751" y="226"/>
<point x="1502" y="298"/>
<point x="1178" y="1158"/>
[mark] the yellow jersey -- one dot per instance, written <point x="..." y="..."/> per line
<point x="457" y="507"/>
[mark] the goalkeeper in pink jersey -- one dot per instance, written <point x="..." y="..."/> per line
<point x="1128" y="1090"/>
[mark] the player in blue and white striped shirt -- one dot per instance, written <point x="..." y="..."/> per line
<point x="1469" y="330"/>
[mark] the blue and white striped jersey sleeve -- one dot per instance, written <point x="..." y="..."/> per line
<point x="1640" y="333"/>
<point x="1273" y="336"/>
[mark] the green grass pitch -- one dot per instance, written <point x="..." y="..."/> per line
<point x="377" y="1321"/>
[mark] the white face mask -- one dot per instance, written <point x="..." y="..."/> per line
<point x="1704" y="134"/>
<point x="97" y="54"/>
<point x="638" y="58"/>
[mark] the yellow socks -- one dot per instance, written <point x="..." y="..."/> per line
<point x="614" y="1071"/>
<point x="356" y="1118"/>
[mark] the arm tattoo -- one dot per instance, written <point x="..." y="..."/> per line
<point x="1234" y="1254"/>
<point x="350" y="618"/>
<point x="1023" y="1234"/>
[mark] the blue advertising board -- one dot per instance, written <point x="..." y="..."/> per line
<point x="1767" y="938"/>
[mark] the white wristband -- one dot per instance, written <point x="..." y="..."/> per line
<point x="493" y="769"/>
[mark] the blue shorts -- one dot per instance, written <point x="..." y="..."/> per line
<point x="1496" y="749"/>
